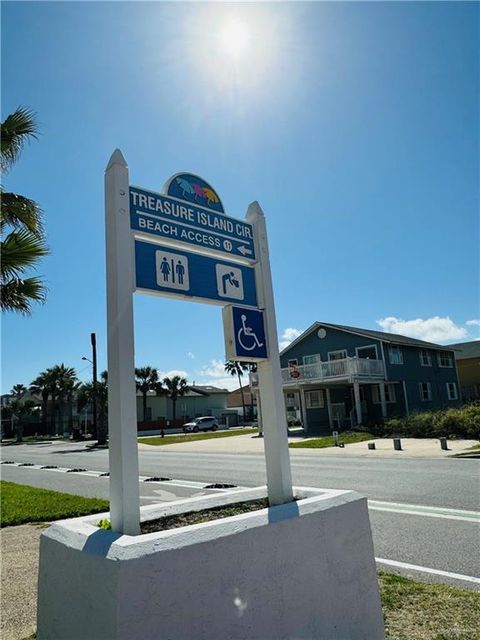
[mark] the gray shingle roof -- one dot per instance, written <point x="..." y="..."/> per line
<point x="465" y="350"/>
<point x="369" y="333"/>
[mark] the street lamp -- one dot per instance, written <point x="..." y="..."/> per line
<point x="93" y="362"/>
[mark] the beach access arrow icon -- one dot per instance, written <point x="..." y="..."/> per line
<point x="244" y="251"/>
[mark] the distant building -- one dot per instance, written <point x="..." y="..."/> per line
<point x="335" y="376"/>
<point x="234" y="403"/>
<point x="199" y="400"/>
<point x="467" y="355"/>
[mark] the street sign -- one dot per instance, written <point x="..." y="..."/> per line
<point x="182" y="274"/>
<point x="189" y="213"/>
<point x="176" y="220"/>
<point x="244" y="331"/>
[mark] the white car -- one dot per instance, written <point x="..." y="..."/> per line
<point x="205" y="423"/>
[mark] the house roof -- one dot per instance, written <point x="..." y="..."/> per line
<point x="466" y="350"/>
<point x="207" y="389"/>
<point x="393" y="338"/>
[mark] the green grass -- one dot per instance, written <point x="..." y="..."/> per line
<point x="347" y="437"/>
<point x="21" y="504"/>
<point x="421" y="611"/>
<point x="476" y="447"/>
<point x="157" y="440"/>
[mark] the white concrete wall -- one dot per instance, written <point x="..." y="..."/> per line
<point x="299" y="570"/>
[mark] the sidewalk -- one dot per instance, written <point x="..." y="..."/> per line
<point x="19" y="546"/>
<point x="245" y="444"/>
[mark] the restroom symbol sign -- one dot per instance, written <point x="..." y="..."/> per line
<point x="229" y="281"/>
<point x="172" y="270"/>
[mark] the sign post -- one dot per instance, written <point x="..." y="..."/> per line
<point x="274" y="419"/>
<point x="122" y="403"/>
<point x="227" y="263"/>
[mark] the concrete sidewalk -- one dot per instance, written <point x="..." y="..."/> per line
<point x="244" y="444"/>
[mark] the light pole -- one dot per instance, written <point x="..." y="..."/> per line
<point x="93" y="362"/>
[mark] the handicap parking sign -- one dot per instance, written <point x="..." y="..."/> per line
<point x="245" y="337"/>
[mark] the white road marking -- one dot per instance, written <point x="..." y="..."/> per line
<point x="437" y="572"/>
<point x="428" y="512"/>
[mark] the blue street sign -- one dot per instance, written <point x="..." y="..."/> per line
<point x="244" y="334"/>
<point x="181" y="221"/>
<point x="187" y="275"/>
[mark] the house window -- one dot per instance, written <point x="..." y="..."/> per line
<point x="445" y="359"/>
<point x="337" y="355"/>
<point x="312" y="359"/>
<point x="452" y="391"/>
<point x="369" y="353"/>
<point x="389" y="393"/>
<point x="425" y="391"/>
<point x="314" y="399"/>
<point x="290" y="402"/>
<point x="396" y="355"/>
<point x="425" y="358"/>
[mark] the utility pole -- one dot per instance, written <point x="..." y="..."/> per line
<point x="93" y="339"/>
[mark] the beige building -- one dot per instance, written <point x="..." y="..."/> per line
<point x="467" y="357"/>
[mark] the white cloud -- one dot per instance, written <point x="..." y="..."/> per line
<point x="173" y="372"/>
<point x="191" y="355"/>
<point x="288" y="336"/>
<point x="473" y="323"/>
<point x="434" y="329"/>
<point x="214" y="373"/>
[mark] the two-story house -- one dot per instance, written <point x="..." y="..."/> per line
<point x="335" y="376"/>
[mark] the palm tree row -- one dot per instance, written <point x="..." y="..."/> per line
<point x="58" y="388"/>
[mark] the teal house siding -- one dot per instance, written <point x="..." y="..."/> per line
<point x="334" y="340"/>
<point x="413" y="373"/>
<point x="403" y="378"/>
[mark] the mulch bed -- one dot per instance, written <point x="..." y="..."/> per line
<point x="196" y="517"/>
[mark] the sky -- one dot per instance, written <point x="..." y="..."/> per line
<point x="354" y="125"/>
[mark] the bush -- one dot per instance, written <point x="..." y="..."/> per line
<point x="462" y="422"/>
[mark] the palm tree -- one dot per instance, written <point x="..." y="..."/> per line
<point x="147" y="380"/>
<point x="85" y="396"/>
<point x="63" y="377"/>
<point x="24" y="243"/>
<point x="20" y="410"/>
<point x="19" y="390"/>
<point x="42" y="386"/>
<point x="236" y="368"/>
<point x="176" y="387"/>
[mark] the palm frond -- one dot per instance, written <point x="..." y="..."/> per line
<point x="16" y="129"/>
<point x="20" y="250"/>
<point x="20" y="212"/>
<point x="18" y="295"/>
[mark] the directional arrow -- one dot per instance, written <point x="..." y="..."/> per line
<point x="244" y="250"/>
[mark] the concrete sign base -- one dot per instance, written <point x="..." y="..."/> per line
<point x="304" y="569"/>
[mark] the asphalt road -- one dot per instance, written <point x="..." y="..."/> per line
<point x="420" y="509"/>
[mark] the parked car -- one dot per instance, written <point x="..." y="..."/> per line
<point x="205" y="423"/>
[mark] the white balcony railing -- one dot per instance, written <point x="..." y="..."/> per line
<point x="345" y="368"/>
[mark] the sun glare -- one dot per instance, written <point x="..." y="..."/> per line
<point x="234" y="39"/>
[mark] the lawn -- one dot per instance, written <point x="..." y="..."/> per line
<point x="21" y="504"/>
<point x="192" y="437"/>
<point x="347" y="437"/>
<point x="421" y="611"/>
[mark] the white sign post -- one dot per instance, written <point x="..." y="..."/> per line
<point x="122" y="402"/>
<point x="274" y="419"/>
<point x="136" y="265"/>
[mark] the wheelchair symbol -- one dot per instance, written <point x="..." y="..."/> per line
<point x="246" y="336"/>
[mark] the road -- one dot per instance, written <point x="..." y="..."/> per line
<point x="420" y="509"/>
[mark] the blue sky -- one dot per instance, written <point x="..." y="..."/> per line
<point x="355" y="125"/>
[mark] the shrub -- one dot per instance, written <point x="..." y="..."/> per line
<point x="461" y="422"/>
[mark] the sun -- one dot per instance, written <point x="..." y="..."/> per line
<point x="234" y="38"/>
